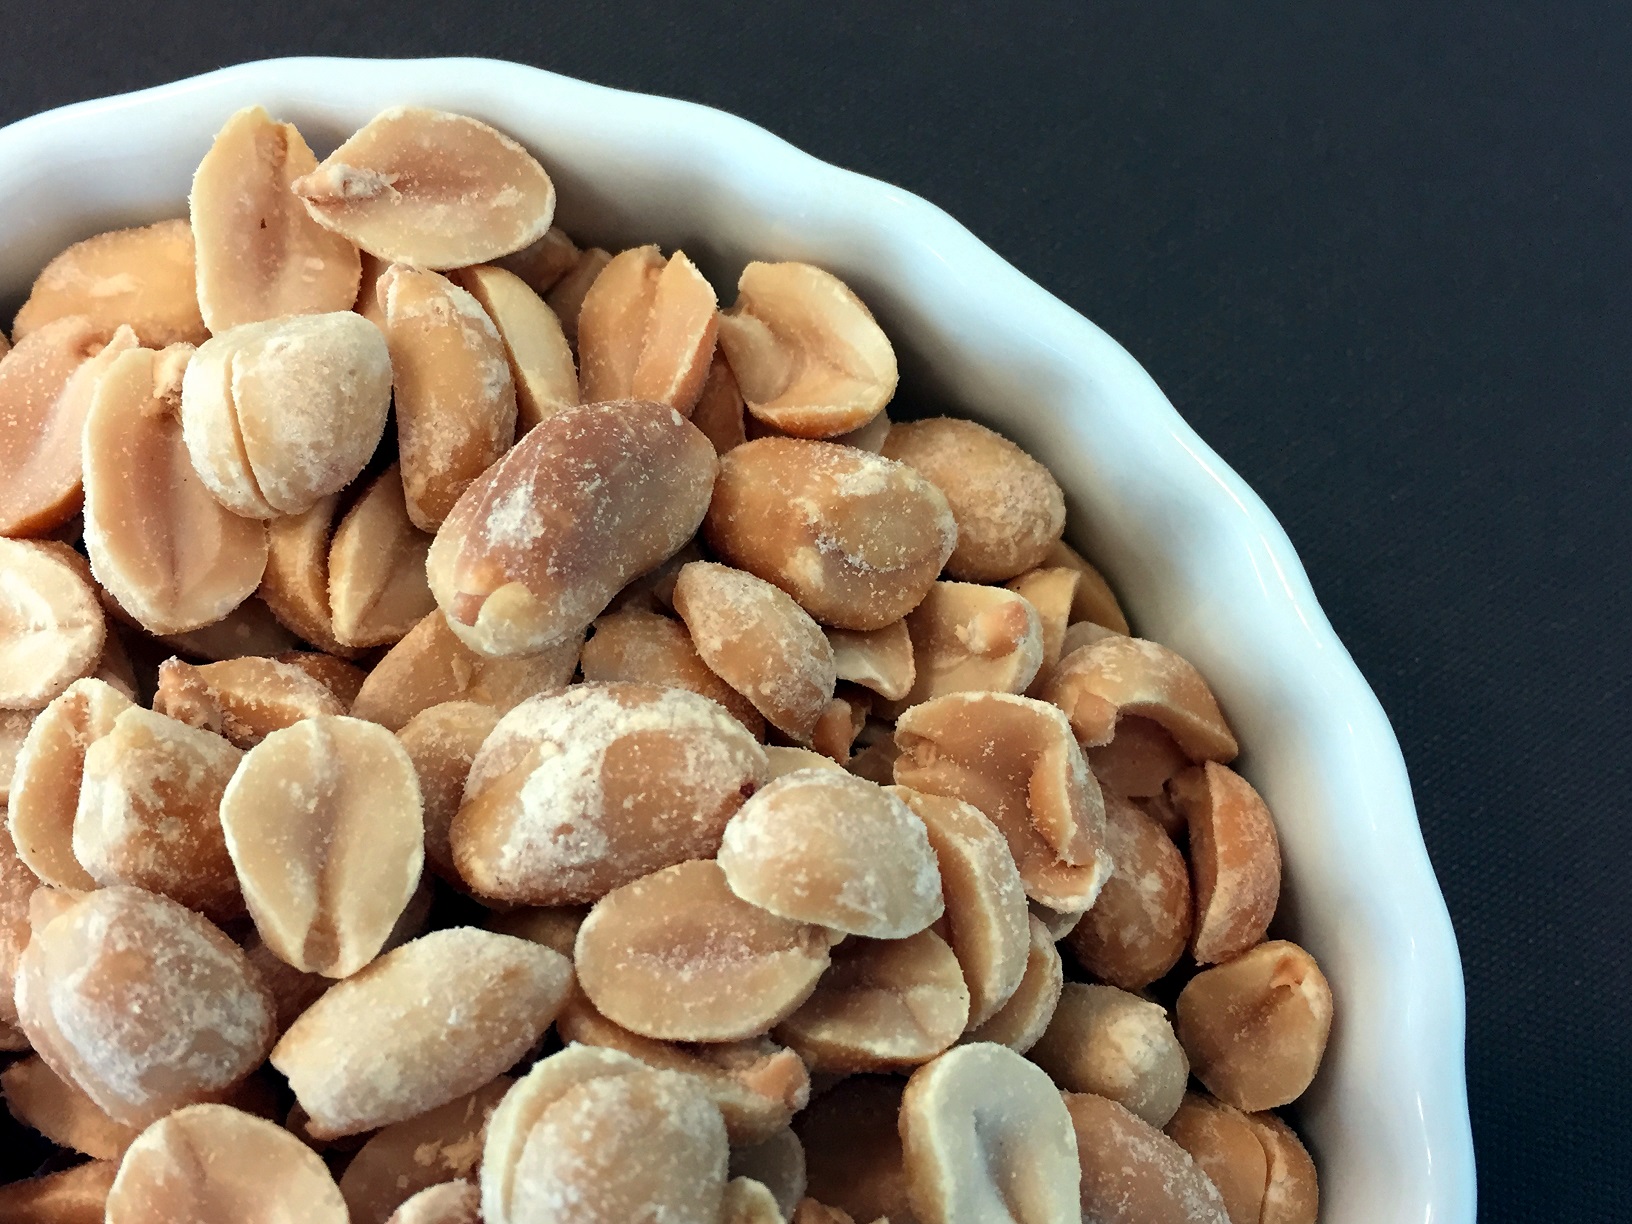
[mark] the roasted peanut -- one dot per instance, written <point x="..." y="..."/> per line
<point x="430" y="1021"/>
<point x="1225" y="1147"/>
<point x="1139" y="760"/>
<point x="1050" y="591"/>
<point x="646" y="330"/>
<point x="249" y="629"/>
<point x="590" y="498"/>
<point x="377" y="587"/>
<point x="400" y="1160"/>
<point x="542" y="263"/>
<point x="148" y="812"/>
<point x="841" y="721"/>
<point x="140" y="277"/>
<point x="883" y="1004"/>
<point x="259" y="255"/>
<point x="1092" y="600"/>
<point x="344" y="680"/>
<point x="720" y="407"/>
<point x="323" y="822"/>
<point x="431" y="666"/>
<point x="825" y="847"/>
<point x="566" y="296"/>
<point x="778" y="1164"/>
<point x="457" y="1202"/>
<point x="856" y="539"/>
<point x="985" y="918"/>
<point x="1235" y="858"/>
<point x="852" y="1148"/>
<point x="1021" y="1022"/>
<point x="295" y="583"/>
<point x="1015" y="760"/>
<point x="1138" y="928"/>
<point x="428" y="188"/>
<point x="38" y="1097"/>
<point x="784" y="761"/>
<point x="1134" y="1174"/>
<point x="760" y="642"/>
<point x="74" y="1196"/>
<point x="1291" y="1193"/>
<point x="1115" y="1045"/>
<point x="985" y="1137"/>
<point x="14" y="725"/>
<point x="1009" y="510"/>
<point x="51" y="628"/>
<point x="211" y="1162"/>
<point x="967" y="637"/>
<point x="679" y="957"/>
<point x="878" y="659"/>
<point x="1059" y="923"/>
<point x="1255" y="1027"/>
<point x="809" y="357"/>
<point x="141" y="1003"/>
<point x="644" y="646"/>
<point x="17" y="885"/>
<point x="442" y="741"/>
<point x="244" y="699"/>
<point x="868" y="437"/>
<point x="541" y="365"/>
<point x="172" y="556"/>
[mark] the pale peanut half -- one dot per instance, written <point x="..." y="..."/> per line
<point x="1222" y="1142"/>
<point x="542" y="263"/>
<point x="279" y="414"/>
<point x="428" y="1022"/>
<point x="432" y="189"/>
<point x="967" y="637"/>
<point x="646" y="330"/>
<point x="46" y="385"/>
<point x="809" y="357"/>
<point x="244" y="699"/>
<point x="455" y="399"/>
<point x="1134" y="1174"/>
<point x="566" y="296"/>
<point x="259" y="255"/>
<point x="856" y="539"/>
<point x="377" y="586"/>
<point x="592" y="497"/>
<point x="541" y="364"/>
<point x="877" y="659"/>
<point x="295" y="583"/>
<point x="38" y="1097"/>
<point x="172" y="556"/>
<point x="442" y="740"/>
<point x="17" y="885"/>
<point x="852" y="1148"/>
<point x="52" y="630"/>
<point x="644" y="646"/>
<point x="1235" y="860"/>
<point x="785" y="760"/>
<point x="1050" y="590"/>
<point x="74" y="1196"/>
<point x="1021" y="1022"/>
<point x="1117" y="1045"/>
<point x="720" y="406"/>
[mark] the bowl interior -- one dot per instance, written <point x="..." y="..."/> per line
<point x="1198" y="561"/>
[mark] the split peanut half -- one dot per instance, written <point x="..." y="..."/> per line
<point x="646" y="330"/>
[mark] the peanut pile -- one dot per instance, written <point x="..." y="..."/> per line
<point x="488" y="735"/>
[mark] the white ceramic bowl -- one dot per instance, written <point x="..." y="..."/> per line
<point x="1198" y="560"/>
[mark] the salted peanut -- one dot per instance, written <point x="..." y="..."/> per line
<point x="1009" y="509"/>
<point x="432" y="189"/>
<point x="400" y="1160"/>
<point x="441" y="741"/>
<point x="967" y="638"/>
<point x="1014" y="759"/>
<point x="17" y="885"/>
<point x="141" y="1003"/>
<point x="868" y="437"/>
<point x="1255" y="1027"/>
<point x="784" y="761"/>
<point x="244" y="699"/>
<point x="1093" y="600"/>
<point x="985" y="920"/>
<point x="51" y="628"/>
<point x="592" y="497"/>
<point x="760" y="642"/>
<point x="874" y="753"/>
<point x="1050" y="591"/>
<point x="984" y="1137"/>
<point x="46" y="386"/>
<point x="720" y="406"/>
<point x="1139" y="760"/>
<point x="877" y="659"/>
<point x="1134" y="1174"/>
<point x="455" y="400"/>
<point x="553" y="926"/>
<point x="38" y="1097"/>
<point x="292" y="990"/>
<point x="1138" y="928"/>
<point x="1222" y="1142"/>
<point x="778" y="1164"/>
<point x="882" y="1005"/>
<point x="147" y="813"/>
<point x="457" y="1202"/>
<point x="756" y="1085"/>
<point x="259" y="255"/>
<point x="541" y="264"/>
<point x="1021" y="1022"/>
<point x="14" y="725"/>
<point x="1292" y="1193"/>
<point x="343" y="680"/>
<point x="646" y="330"/>
<point x="323" y="822"/>
<point x="427" y="1022"/>
<point x="75" y="1196"/>
<point x="644" y="646"/>
<point x="50" y="767"/>
<point x="211" y="1162"/>
<point x="1115" y="1045"/>
<point x="841" y="720"/>
<point x="748" y="1202"/>
<point x="810" y="359"/>
<point x="1116" y="676"/>
<point x="295" y="583"/>
<point x="377" y="587"/>
<point x="430" y="666"/>
<point x="172" y="556"/>
<point x="566" y="296"/>
<point x="1234" y="857"/>
<point x="852" y="1148"/>
<point x="856" y="539"/>
<point x="826" y="847"/>
<point x="140" y="277"/>
<point x="679" y="957"/>
<point x="1082" y="633"/>
<point x="540" y="358"/>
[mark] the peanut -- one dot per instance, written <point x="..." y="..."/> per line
<point x="344" y="680"/>
<point x="377" y="587"/>
<point x="1139" y="761"/>
<point x="1021" y="1022"/>
<point x="566" y="296"/>
<point x="140" y="277"/>
<point x="38" y="1097"/>
<point x="879" y="659"/>
<point x="51" y="628"/>
<point x="541" y="364"/>
<point x="295" y="583"/>
<point x="17" y="885"/>
<point x="555" y="927"/>
<point x="74" y="1196"/>
<point x="784" y="761"/>
<point x="637" y="645"/>
<point x="748" y="1202"/>
<point x="244" y="699"/>
<point x="972" y="638"/>
<point x="720" y="407"/>
<point x="442" y="741"/>
<point x="249" y="629"/>
<point x="1291" y="1194"/>
<point x="457" y="1202"/>
<point x="1092" y="600"/>
<point x="1134" y="1174"/>
<point x="1235" y="858"/>
<point x="778" y="1164"/>
<point x="646" y="330"/>
<point x="1116" y="1045"/>
<point x="1225" y="1147"/>
<point x="542" y="263"/>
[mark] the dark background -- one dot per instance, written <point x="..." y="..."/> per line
<point x="1378" y="254"/>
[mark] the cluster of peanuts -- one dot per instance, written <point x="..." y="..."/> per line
<point x="487" y="735"/>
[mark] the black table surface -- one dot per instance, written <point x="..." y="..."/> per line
<point x="1379" y="254"/>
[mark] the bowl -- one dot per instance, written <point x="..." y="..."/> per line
<point x="1198" y="560"/>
